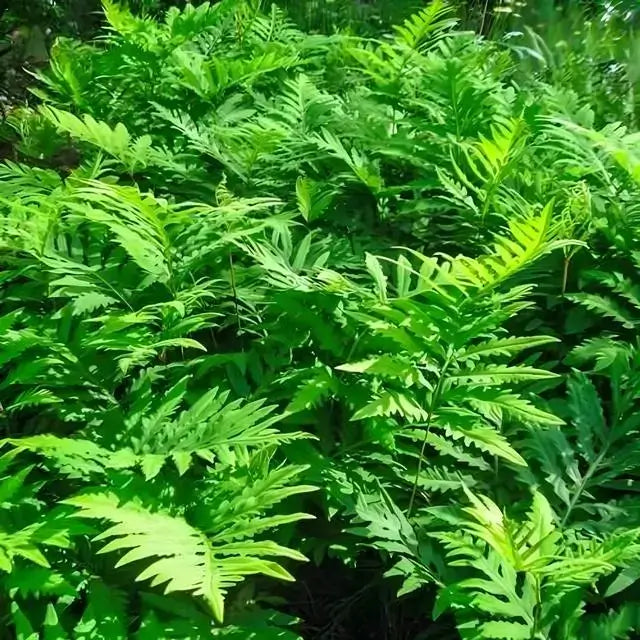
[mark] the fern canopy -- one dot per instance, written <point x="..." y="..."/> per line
<point x="367" y="297"/>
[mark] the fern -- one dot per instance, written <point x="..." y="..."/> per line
<point x="598" y="454"/>
<point x="433" y="340"/>
<point x="116" y="142"/>
<point x="187" y="559"/>
<point x="498" y="549"/>
<point x="386" y="276"/>
<point x="429" y="23"/>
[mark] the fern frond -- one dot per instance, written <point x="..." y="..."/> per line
<point x="182" y="558"/>
<point x="483" y="437"/>
<point x="138" y="223"/>
<point x="424" y="28"/>
<point x="211" y="428"/>
<point x="75" y="457"/>
<point x="605" y="306"/>
<point x="133" y="153"/>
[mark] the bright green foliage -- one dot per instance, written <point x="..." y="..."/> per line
<point x="253" y="276"/>
<point x="188" y="561"/>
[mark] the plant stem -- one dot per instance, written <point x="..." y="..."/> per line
<point x="419" y="469"/>
<point x="583" y="483"/>
<point x="484" y="16"/>
<point x="432" y="407"/>
<point x="537" y="609"/>
<point x="234" y="291"/>
<point x="565" y="274"/>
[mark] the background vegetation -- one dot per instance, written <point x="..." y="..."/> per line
<point x="318" y="326"/>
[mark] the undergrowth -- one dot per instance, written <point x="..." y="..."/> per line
<point x="271" y="297"/>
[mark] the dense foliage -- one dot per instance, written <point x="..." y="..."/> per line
<point x="270" y="296"/>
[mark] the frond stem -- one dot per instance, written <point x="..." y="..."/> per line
<point x="565" y="274"/>
<point x="432" y="407"/>
<point x="232" y="276"/>
<point x="583" y="483"/>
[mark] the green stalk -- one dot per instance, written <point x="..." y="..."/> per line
<point x="435" y="399"/>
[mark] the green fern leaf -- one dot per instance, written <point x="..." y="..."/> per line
<point x="500" y="374"/>
<point x="507" y="346"/>
<point x="494" y="402"/>
<point x="605" y="306"/>
<point x="32" y="398"/>
<point x="441" y="480"/>
<point x="488" y="440"/>
<point x="313" y="391"/>
<point x="116" y="142"/>
<point x="587" y="414"/>
<point x="392" y="403"/>
<point x="505" y="630"/>
<point x="182" y="558"/>
<point x="427" y="26"/>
